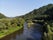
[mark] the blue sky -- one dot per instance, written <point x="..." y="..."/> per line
<point x="12" y="8"/>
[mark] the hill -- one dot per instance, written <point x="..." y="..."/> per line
<point x="2" y="16"/>
<point x="37" y="13"/>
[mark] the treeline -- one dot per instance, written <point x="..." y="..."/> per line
<point x="7" y="23"/>
<point x="38" y="12"/>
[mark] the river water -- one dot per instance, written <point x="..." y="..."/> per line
<point x="26" y="33"/>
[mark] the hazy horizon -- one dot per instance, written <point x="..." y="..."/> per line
<point x="12" y="8"/>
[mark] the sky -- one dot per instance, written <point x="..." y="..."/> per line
<point x="12" y="8"/>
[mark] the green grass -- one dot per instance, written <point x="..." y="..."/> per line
<point x="50" y="33"/>
<point x="4" y="33"/>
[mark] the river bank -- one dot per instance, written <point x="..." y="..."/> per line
<point x="30" y="24"/>
<point x="10" y="31"/>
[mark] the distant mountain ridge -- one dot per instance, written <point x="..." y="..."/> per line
<point x="2" y="16"/>
<point x="36" y="12"/>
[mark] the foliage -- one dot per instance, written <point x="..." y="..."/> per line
<point x="39" y="12"/>
<point x="10" y="25"/>
<point x="6" y="23"/>
<point x="2" y="16"/>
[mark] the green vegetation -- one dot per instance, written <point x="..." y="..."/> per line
<point x="37" y="13"/>
<point x="10" y="25"/>
<point x="43" y="14"/>
<point x="30" y="23"/>
<point x="4" y="33"/>
<point x="2" y="16"/>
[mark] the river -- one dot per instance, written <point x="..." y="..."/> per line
<point x="25" y="33"/>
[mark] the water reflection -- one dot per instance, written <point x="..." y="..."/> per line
<point x="35" y="32"/>
<point x="25" y="33"/>
<point x="13" y="36"/>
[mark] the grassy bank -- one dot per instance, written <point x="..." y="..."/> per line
<point x="49" y="35"/>
<point x="4" y="33"/>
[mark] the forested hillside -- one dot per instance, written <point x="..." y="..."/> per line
<point x="38" y="12"/>
<point x="2" y="16"/>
